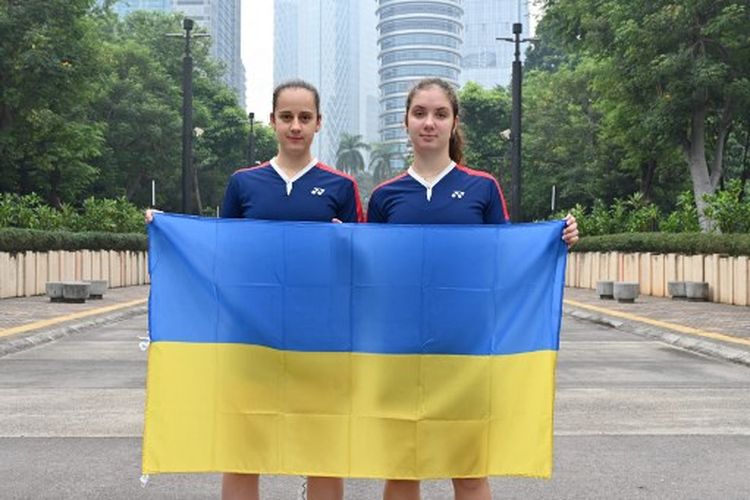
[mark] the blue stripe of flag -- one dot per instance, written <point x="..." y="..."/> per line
<point x="391" y="289"/>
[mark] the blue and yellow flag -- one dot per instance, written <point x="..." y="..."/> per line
<point x="366" y="350"/>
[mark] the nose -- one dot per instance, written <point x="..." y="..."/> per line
<point x="429" y="120"/>
<point x="296" y="125"/>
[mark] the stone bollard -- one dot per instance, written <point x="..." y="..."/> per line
<point x="75" y="291"/>
<point x="97" y="288"/>
<point x="676" y="289"/>
<point x="696" y="291"/>
<point x="54" y="290"/>
<point x="626" y="291"/>
<point x="605" y="289"/>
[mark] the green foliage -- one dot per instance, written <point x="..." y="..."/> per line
<point x="50" y="63"/>
<point x="729" y="208"/>
<point x="485" y="115"/>
<point x="381" y="157"/>
<point x="672" y="82"/>
<point x="102" y="215"/>
<point x="683" y="243"/>
<point x="15" y="240"/>
<point x="349" y="159"/>
<point x="684" y="219"/>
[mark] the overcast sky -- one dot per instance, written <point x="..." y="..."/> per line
<point x="257" y="54"/>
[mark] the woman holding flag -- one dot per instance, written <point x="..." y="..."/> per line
<point x="292" y="186"/>
<point x="437" y="189"/>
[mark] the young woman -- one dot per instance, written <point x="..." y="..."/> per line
<point x="436" y="189"/>
<point x="292" y="186"/>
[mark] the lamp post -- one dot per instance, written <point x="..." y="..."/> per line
<point x="515" y="123"/>
<point x="251" y="141"/>
<point x="187" y="113"/>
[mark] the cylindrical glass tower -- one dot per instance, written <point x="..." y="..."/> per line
<point x="417" y="39"/>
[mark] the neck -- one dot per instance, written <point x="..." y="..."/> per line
<point x="292" y="164"/>
<point x="429" y="167"/>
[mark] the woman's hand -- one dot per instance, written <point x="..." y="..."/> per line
<point x="570" y="233"/>
<point x="149" y="215"/>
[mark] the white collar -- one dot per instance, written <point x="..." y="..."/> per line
<point x="290" y="181"/>
<point x="428" y="186"/>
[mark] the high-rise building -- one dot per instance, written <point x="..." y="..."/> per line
<point x="486" y="60"/>
<point x="417" y="40"/>
<point x="221" y="18"/>
<point x="318" y="41"/>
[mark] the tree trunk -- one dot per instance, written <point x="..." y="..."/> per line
<point x="695" y="152"/>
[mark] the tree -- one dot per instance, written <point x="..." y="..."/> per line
<point x="50" y="62"/>
<point x="349" y="158"/>
<point x="684" y="67"/>
<point x="485" y="115"/>
<point x="381" y="155"/>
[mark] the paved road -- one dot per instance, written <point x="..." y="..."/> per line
<point x="635" y="419"/>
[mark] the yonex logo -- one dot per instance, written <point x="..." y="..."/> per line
<point x="458" y="194"/>
<point x="317" y="191"/>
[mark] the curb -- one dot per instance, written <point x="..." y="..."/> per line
<point x="39" y="337"/>
<point x="694" y="344"/>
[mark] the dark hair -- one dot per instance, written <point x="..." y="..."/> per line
<point x="456" y="144"/>
<point x="296" y="84"/>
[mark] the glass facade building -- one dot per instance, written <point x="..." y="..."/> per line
<point x="486" y="60"/>
<point x="417" y="39"/>
<point x="319" y="41"/>
<point x="220" y="18"/>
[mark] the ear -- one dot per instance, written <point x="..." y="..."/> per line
<point x="272" y="120"/>
<point x="318" y="123"/>
<point x="456" y="124"/>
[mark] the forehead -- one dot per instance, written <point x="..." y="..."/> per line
<point x="296" y="98"/>
<point x="431" y="97"/>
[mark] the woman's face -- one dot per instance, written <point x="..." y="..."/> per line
<point x="295" y="120"/>
<point x="430" y="121"/>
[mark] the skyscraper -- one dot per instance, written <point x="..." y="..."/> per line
<point x="417" y="40"/>
<point x="318" y="41"/>
<point x="221" y="18"/>
<point x="486" y="60"/>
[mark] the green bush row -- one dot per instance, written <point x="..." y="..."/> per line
<point x="95" y="214"/>
<point x="14" y="240"/>
<point x="728" y="208"/>
<point x="683" y="243"/>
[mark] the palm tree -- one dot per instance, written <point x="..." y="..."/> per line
<point x="380" y="160"/>
<point x="349" y="159"/>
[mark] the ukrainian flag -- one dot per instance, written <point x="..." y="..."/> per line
<point x="367" y="350"/>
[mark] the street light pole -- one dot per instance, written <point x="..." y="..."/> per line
<point x="515" y="123"/>
<point x="251" y="141"/>
<point x="187" y="114"/>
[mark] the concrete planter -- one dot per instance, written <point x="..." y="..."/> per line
<point x="75" y="291"/>
<point x="696" y="291"/>
<point x="626" y="291"/>
<point x="54" y="291"/>
<point x="676" y="290"/>
<point x="605" y="289"/>
<point x="97" y="288"/>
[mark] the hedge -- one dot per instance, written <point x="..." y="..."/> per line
<point x="15" y="240"/>
<point x="682" y="243"/>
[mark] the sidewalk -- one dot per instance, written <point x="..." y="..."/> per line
<point x="717" y="330"/>
<point x="29" y="321"/>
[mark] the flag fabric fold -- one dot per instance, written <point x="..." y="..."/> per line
<point x="348" y="350"/>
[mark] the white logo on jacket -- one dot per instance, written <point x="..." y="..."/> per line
<point x="317" y="191"/>
<point x="458" y="194"/>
